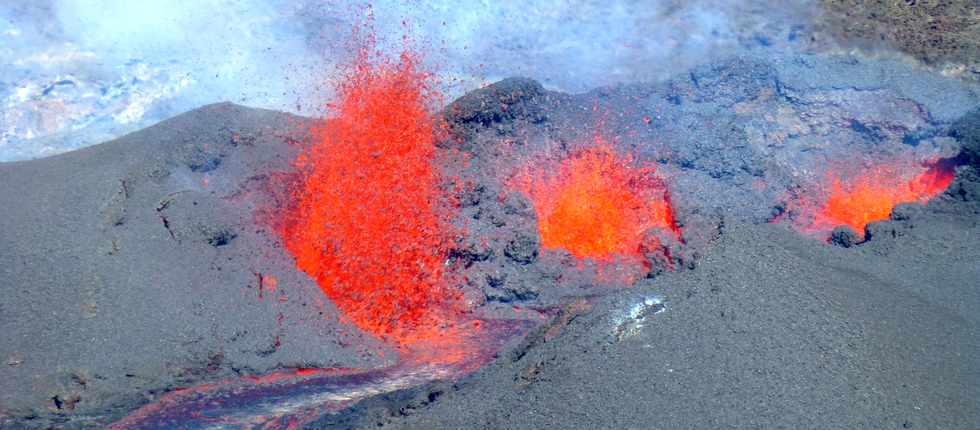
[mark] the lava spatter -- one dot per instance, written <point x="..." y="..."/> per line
<point x="869" y="196"/>
<point x="597" y="203"/>
<point x="370" y="223"/>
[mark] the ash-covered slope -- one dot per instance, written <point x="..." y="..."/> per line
<point x="140" y="265"/>
<point x="772" y="330"/>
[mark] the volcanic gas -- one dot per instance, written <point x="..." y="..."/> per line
<point x="369" y="222"/>
<point x="597" y="203"/>
<point x="871" y="195"/>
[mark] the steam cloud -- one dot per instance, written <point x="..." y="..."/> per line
<point x="83" y="71"/>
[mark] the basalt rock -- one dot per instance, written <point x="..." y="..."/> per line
<point x="844" y="237"/>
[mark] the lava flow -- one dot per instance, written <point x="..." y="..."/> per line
<point x="597" y="204"/>
<point x="370" y="223"/>
<point x="872" y="195"/>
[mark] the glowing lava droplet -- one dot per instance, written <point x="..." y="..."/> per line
<point x="597" y="205"/>
<point x="872" y="195"/>
<point x="370" y="223"/>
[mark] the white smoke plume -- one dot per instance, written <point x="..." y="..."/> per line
<point x="78" y="72"/>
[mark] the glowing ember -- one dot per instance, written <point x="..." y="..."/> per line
<point x="597" y="205"/>
<point x="370" y="223"/>
<point x="873" y="194"/>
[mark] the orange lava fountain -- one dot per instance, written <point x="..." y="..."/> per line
<point x="872" y="195"/>
<point x="370" y="222"/>
<point x="597" y="205"/>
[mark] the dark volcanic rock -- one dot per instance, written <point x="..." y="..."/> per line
<point x="496" y="108"/>
<point x="967" y="131"/>
<point x="731" y="82"/>
<point x="523" y="249"/>
<point x="966" y="185"/>
<point x="663" y="252"/>
<point x="905" y="211"/>
<point x="844" y="237"/>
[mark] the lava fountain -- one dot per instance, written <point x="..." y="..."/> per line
<point x="870" y="196"/>
<point x="370" y="223"/>
<point x="597" y="204"/>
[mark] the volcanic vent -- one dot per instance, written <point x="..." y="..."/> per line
<point x="596" y="204"/>
<point x="869" y="195"/>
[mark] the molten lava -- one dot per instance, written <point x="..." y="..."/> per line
<point x="597" y="204"/>
<point x="873" y="194"/>
<point x="369" y="222"/>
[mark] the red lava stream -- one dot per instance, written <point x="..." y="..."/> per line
<point x="290" y="399"/>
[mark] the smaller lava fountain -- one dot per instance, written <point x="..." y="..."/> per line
<point x="597" y="204"/>
<point x="870" y="195"/>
